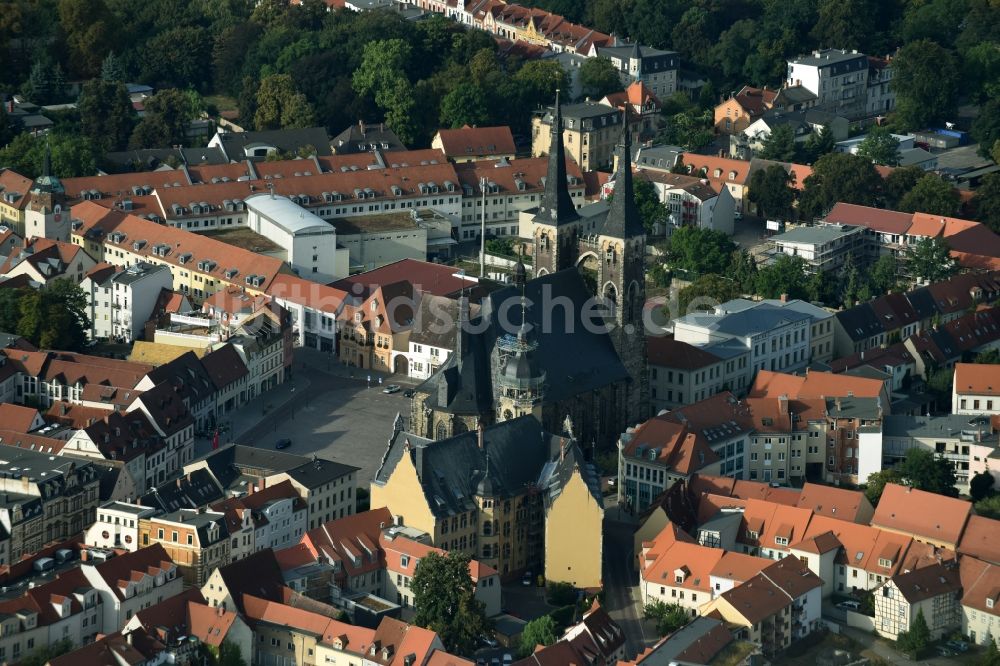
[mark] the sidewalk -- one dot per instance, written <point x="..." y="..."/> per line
<point x="326" y="363"/>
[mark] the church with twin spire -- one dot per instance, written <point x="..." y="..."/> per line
<point x="564" y="341"/>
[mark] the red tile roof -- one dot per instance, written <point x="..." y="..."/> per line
<point x="665" y="351"/>
<point x="17" y="417"/>
<point x="922" y="514"/>
<point x="675" y="446"/>
<point x="755" y="101"/>
<point x="885" y="221"/>
<point x="477" y="141"/>
<point x="977" y="379"/>
<point x="834" y="502"/>
<point x="981" y="539"/>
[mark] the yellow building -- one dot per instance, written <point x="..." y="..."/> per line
<point x="14" y="190"/>
<point x="501" y="494"/>
<point x="200" y="265"/>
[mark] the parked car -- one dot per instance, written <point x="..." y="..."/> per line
<point x="495" y="661"/>
<point x="527" y="580"/>
<point x="944" y="652"/>
<point x="507" y="659"/>
<point x="283" y="443"/>
<point x="391" y="388"/>
<point x="409" y="393"/>
<point x="849" y="605"/>
<point x="957" y="646"/>
<point x="488" y="641"/>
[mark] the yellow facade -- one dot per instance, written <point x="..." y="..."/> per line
<point x="403" y="495"/>
<point x="12" y="217"/>
<point x="655" y="523"/>
<point x="574" y="536"/>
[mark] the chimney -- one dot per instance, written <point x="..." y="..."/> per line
<point x="361" y="126"/>
<point x="220" y="611"/>
<point x="263" y="484"/>
<point x="562" y="451"/>
<point x="784" y="298"/>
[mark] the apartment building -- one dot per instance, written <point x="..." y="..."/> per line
<point x="42" y="260"/>
<point x="838" y="78"/>
<point x="776" y="338"/>
<point x="681" y="373"/>
<point x="929" y="518"/>
<point x="590" y="132"/>
<point x="654" y="68"/>
<point x="196" y="540"/>
<point x="779" y="605"/>
<point x="117" y="525"/>
<point x="823" y="247"/>
<point x="656" y="454"/>
<point x="736" y="113"/>
<point x="278" y="516"/>
<point x="976" y="389"/>
<point x="45" y="498"/>
<point x="471" y="144"/>
<point x="821" y="322"/>
<point x="120" y="302"/>
<point x="14" y="190"/>
<point x="693" y="201"/>
<point x="980" y="599"/>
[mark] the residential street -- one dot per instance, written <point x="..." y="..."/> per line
<point x="621" y="591"/>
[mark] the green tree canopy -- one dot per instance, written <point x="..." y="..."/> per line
<point x="918" y="637"/>
<point x="885" y="274"/>
<point x="383" y="74"/>
<point x="989" y="506"/>
<point x="925" y="79"/>
<point x="929" y="260"/>
<point x="599" y="77"/>
<point x="445" y="602"/>
<point x="923" y="470"/>
<point x="931" y="195"/>
<point x="898" y="183"/>
<point x="466" y="104"/>
<point x="839" y="177"/>
<point x="743" y="270"/>
<point x="72" y="155"/>
<point x="648" y="203"/>
<point x="540" y="631"/>
<point x="700" y="251"/>
<point x="168" y="116"/>
<point x="106" y="116"/>
<point x="89" y="29"/>
<point x="281" y="106"/>
<point x="986" y="202"/>
<point x="706" y="292"/>
<point x="55" y="317"/>
<point x="780" y="145"/>
<point x="690" y="130"/>
<point x="771" y="189"/>
<point x="880" y="146"/>
<point x="785" y="275"/>
<point x="668" y="617"/>
<point x="877" y="481"/>
<point x="986" y="126"/>
<point x="981" y="486"/>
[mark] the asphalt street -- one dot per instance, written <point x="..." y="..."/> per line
<point x="622" y="598"/>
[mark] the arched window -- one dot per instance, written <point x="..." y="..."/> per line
<point x="442" y="431"/>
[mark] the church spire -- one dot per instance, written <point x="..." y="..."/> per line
<point x="623" y="217"/>
<point x="47" y="162"/>
<point x="557" y="206"/>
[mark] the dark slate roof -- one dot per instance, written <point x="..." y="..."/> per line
<point x="361" y="137"/>
<point x="557" y="205"/>
<point x="922" y="301"/>
<point x="151" y="158"/>
<point x="574" y="357"/>
<point x="258" y="575"/>
<point x="557" y="472"/>
<point x="319" y="471"/>
<point x="451" y="470"/>
<point x="860" y="322"/>
<point x="194" y="490"/>
<point x="286" y="140"/>
<point x="623" y="220"/>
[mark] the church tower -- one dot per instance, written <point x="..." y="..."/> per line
<point x="519" y="379"/>
<point x="622" y="278"/>
<point x="45" y="215"/>
<point x="554" y="225"/>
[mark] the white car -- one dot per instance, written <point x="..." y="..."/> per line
<point x="391" y="388"/>
<point x="849" y="605"/>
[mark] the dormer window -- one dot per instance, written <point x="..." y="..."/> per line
<point x="753" y="535"/>
<point x="781" y="541"/>
<point x="404" y="561"/>
<point x="989" y="603"/>
<point x="884" y="562"/>
<point x="374" y="305"/>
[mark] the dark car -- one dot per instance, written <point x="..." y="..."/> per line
<point x="283" y="443"/>
<point x="409" y="393"/>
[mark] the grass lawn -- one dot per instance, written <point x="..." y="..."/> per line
<point x="222" y="102"/>
<point x="734" y="654"/>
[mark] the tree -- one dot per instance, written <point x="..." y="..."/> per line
<point x="44" y="654"/>
<point x="929" y="260"/>
<point x="877" y="482"/>
<point x="989" y="507"/>
<point x="931" y="195"/>
<point x="280" y="105"/>
<point x="991" y="656"/>
<point x="706" y="292"/>
<point x="925" y="471"/>
<point x="855" y="284"/>
<point x="986" y="127"/>
<point x="988" y="357"/>
<point x="668" y="617"/>
<point x="785" y="276"/>
<point x="105" y="114"/>
<point x="779" y="145"/>
<point x="847" y="23"/>
<point x="466" y="104"/>
<point x="72" y="155"/>
<point x="113" y="69"/>
<point x="599" y="77"/>
<point x="54" y="317"/>
<point x="168" y="115"/>
<point x="700" y="250"/>
<point x="227" y="654"/>
<point x="179" y="58"/>
<point x="743" y="270"/>
<point x="771" y="189"/>
<point x="690" y="130"/>
<point x="822" y="287"/>
<point x="925" y="79"/>
<point x="818" y="144"/>
<point x="917" y="638"/>
<point x="981" y="486"/>
<point x="880" y="146"/>
<point x="884" y="276"/>
<point x="648" y="203"/>
<point x="383" y="74"/>
<point x="540" y="631"/>
<point x="839" y="177"/>
<point x="445" y="602"/>
<point x="898" y="183"/>
<point x="986" y="202"/>
<point x="88" y="26"/>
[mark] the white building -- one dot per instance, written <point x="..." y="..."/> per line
<point x="823" y="247"/>
<point x="976" y="389"/>
<point x="777" y="338"/>
<point x="310" y="243"/>
<point x="693" y="201"/>
<point x="837" y="77"/>
<point x="117" y="526"/>
<point x="120" y="303"/>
